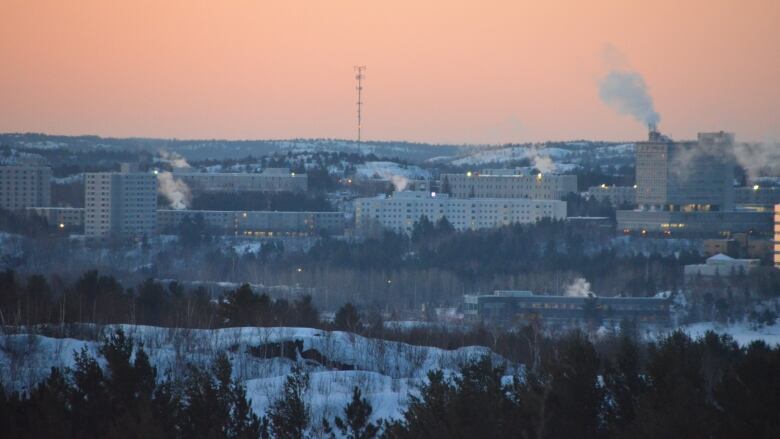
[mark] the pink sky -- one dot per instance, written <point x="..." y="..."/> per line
<point x="437" y="71"/>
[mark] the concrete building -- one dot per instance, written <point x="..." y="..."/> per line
<point x="686" y="176"/>
<point x="69" y="218"/>
<point x="24" y="186"/>
<point x="539" y="187"/>
<point x="756" y="197"/>
<point x="120" y="204"/>
<point x="777" y="236"/>
<point x="694" y="223"/>
<point x="259" y="224"/>
<point x="519" y="306"/>
<point x="270" y="180"/>
<point x="616" y="195"/>
<point x="400" y="211"/>
<point x="687" y="188"/>
<point x="721" y="265"/>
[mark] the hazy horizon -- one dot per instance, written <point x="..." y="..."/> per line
<point x="445" y="73"/>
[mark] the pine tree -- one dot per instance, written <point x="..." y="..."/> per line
<point x="356" y="424"/>
<point x="289" y="415"/>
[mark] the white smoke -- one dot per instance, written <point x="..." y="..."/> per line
<point x="579" y="288"/>
<point x="542" y="162"/>
<point x="399" y="182"/>
<point x="626" y="93"/>
<point x="176" y="160"/>
<point x="176" y="191"/>
<point x="625" y="90"/>
<point x="759" y="159"/>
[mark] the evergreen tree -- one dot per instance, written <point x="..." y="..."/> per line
<point x="356" y="423"/>
<point x="289" y="415"/>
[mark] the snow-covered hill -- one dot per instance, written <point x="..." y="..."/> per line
<point x="262" y="357"/>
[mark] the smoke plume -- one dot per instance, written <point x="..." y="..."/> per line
<point x="543" y="163"/>
<point x="759" y="159"/>
<point x="399" y="182"/>
<point x="174" y="190"/>
<point x="626" y="92"/>
<point x="579" y="288"/>
<point x="176" y="160"/>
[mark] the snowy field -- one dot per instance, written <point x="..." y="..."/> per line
<point x="386" y="371"/>
<point x="742" y="333"/>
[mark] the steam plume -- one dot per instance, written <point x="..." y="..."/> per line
<point x="176" y="191"/>
<point x="399" y="182"/>
<point x="176" y="160"/>
<point x="626" y="92"/>
<point x="579" y="288"/>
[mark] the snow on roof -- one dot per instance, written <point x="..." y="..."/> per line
<point x="720" y="257"/>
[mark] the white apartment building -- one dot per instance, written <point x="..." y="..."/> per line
<point x="400" y="211"/>
<point x="24" y="186"/>
<point x="498" y="185"/>
<point x="270" y="180"/>
<point x="120" y="204"/>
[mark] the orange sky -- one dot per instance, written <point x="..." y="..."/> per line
<point x="439" y="71"/>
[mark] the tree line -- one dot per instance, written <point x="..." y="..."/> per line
<point x="677" y="386"/>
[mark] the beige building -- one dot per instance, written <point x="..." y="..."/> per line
<point x="777" y="235"/>
<point x="539" y="187"/>
<point x="256" y="223"/>
<point x="270" y="180"/>
<point x="120" y="204"/>
<point x="24" y="186"/>
<point x="400" y="211"/>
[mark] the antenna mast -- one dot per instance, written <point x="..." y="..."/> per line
<point x="359" y="74"/>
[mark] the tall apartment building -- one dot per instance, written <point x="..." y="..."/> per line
<point x="686" y="176"/>
<point x="403" y="209"/>
<point x="24" y="186"/>
<point x="270" y="180"/>
<point x="120" y="204"/>
<point x="777" y="235"/>
<point x="497" y="185"/>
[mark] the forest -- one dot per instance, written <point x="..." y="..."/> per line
<point x="615" y="387"/>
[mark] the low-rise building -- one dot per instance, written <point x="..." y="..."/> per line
<point x="535" y="187"/>
<point x="260" y="224"/>
<point x="756" y="197"/>
<point x="68" y="218"/>
<point x="721" y="265"/>
<point x="697" y="223"/>
<point x="520" y="306"/>
<point x="400" y="211"/>
<point x="270" y="180"/>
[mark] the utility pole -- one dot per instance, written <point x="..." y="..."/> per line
<point x="359" y="75"/>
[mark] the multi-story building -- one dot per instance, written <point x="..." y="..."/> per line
<point x="496" y="185"/>
<point x="270" y="180"/>
<point x="687" y="187"/>
<point x="777" y="235"/>
<point x="756" y="197"/>
<point x="510" y="307"/>
<point x="256" y="223"/>
<point x="400" y="211"/>
<point x="24" y="186"/>
<point x="120" y="204"/>
<point x="686" y="176"/>
<point x="68" y="218"/>
<point x="616" y="195"/>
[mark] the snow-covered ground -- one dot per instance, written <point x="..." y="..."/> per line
<point x="743" y="333"/>
<point x="388" y="170"/>
<point x="386" y="371"/>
